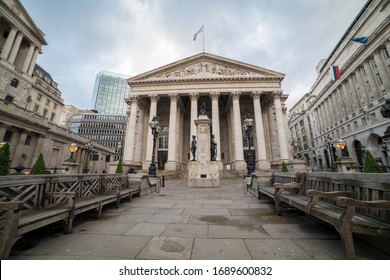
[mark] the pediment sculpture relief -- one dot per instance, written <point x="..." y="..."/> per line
<point x="205" y="68"/>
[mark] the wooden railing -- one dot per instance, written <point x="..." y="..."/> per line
<point x="31" y="190"/>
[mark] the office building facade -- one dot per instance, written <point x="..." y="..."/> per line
<point x="348" y="106"/>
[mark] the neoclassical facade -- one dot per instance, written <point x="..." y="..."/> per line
<point x="348" y="108"/>
<point x="31" y="103"/>
<point x="230" y="89"/>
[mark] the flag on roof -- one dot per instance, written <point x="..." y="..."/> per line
<point x="361" y="40"/>
<point x="335" y="72"/>
<point x="199" y="31"/>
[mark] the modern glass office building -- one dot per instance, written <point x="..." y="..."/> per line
<point x="107" y="130"/>
<point x="109" y="93"/>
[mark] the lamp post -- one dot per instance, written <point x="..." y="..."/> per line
<point x="72" y="148"/>
<point x="385" y="151"/>
<point x="89" y="147"/>
<point x="329" y="145"/>
<point x="154" y="125"/>
<point x="247" y="127"/>
<point x="120" y="148"/>
<point x="342" y="145"/>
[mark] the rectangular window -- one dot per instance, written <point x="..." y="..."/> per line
<point x="378" y="76"/>
<point x="28" y="140"/>
<point x="7" y="136"/>
<point x="36" y="108"/>
<point x="39" y="97"/>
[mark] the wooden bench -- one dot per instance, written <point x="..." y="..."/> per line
<point x="58" y="200"/>
<point x="352" y="203"/>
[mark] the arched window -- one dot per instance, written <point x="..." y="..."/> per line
<point x="14" y="82"/>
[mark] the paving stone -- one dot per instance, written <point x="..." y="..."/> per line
<point x="237" y="231"/>
<point x="146" y="229"/>
<point x="186" y="230"/>
<point x="167" y="248"/>
<point x="220" y="249"/>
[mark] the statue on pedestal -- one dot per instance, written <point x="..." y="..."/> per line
<point x="213" y="149"/>
<point x="193" y="147"/>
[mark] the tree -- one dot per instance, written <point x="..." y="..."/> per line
<point x="5" y="160"/>
<point x="284" y="167"/>
<point x="119" y="167"/>
<point x="370" y="165"/>
<point x="39" y="166"/>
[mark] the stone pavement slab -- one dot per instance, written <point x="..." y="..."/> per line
<point x="182" y="223"/>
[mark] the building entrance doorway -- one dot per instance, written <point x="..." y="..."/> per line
<point x="162" y="158"/>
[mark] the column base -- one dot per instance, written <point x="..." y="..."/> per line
<point x="239" y="165"/>
<point x="263" y="165"/>
<point x="170" y="165"/>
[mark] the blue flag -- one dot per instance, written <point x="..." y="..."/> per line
<point x="361" y="40"/>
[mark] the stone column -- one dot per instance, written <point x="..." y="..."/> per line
<point x="8" y="43"/>
<point x="152" y="112"/>
<point x="283" y="145"/>
<point x="16" y="158"/>
<point x="32" y="63"/>
<point x="374" y="94"/>
<point x="37" y="149"/>
<point x="361" y="88"/>
<point x="237" y="127"/>
<point x="171" y="163"/>
<point x="214" y="95"/>
<point x="261" y="159"/>
<point x="194" y="112"/>
<point x="128" y="152"/>
<point x="28" y="58"/>
<point x="15" y="48"/>
<point x="382" y="69"/>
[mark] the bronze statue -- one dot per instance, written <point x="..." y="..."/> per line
<point x="193" y="147"/>
<point x="213" y="148"/>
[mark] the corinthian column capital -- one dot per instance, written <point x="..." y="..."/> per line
<point x="193" y="95"/>
<point x="173" y="96"/>
<point x="153" y="97"/>
<point x="256" y="94"/>
<point x="214" y="95"/>
<point x="236" y="95"/>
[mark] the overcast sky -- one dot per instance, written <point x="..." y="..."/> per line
<point x="134" y="36"/>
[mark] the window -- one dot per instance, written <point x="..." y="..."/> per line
<point x="364" y="72"/>
<point x="53" y="115"/>
<point x="7" y="136"/>
<point x="378" y="76"/>
<point x="163" y="142"/>
<point x="14" y="83"/>
<point x="36" y="108"/>
<point x="368" y="86"/>
<point x="44" y="112"/>
<point x="28" y="140"/>
<point x="39" y="97"/>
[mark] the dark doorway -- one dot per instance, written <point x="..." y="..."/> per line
<point x="162" y="158"/>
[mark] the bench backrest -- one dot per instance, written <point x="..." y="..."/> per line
<point x="363" y="186"/>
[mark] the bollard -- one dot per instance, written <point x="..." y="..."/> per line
<point x="163" y="181"/>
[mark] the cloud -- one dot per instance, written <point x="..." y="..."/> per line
<point x="134" y="36"/>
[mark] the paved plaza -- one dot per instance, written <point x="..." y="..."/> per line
<point x="191" y="224"/>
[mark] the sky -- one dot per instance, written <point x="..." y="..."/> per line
<point x="134" y="36"/>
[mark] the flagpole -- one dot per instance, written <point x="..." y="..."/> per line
<point x="203" y="36"/>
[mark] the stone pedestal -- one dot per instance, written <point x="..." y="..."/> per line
<point x="203" y="173"/>
<point x="346" y="164"/>
<point x="71" y="166"/>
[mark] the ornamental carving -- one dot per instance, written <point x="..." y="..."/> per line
<point x="205" y="67"/>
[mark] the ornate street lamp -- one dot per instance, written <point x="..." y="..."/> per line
<point x="342" y="145"/>
<point x="2" y="144"/>
<point x="154" y="125"/>
<point x="120" y="148"/>
<point x="329" y="144"/>
<point x="89" y="147"/>
<point x="73" y="148"/>
<point x="247" y="127"/>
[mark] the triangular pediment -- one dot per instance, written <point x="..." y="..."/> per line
<point x="15" y="13"/>
<point x="203" y="66"/>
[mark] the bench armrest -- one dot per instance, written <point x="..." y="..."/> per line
<point x="292" y="185"/>
<point x="70" y="196"/>
<point x="315" y="195"/>
<point x="6" y="206"/>
<point x="350" y="202"/>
